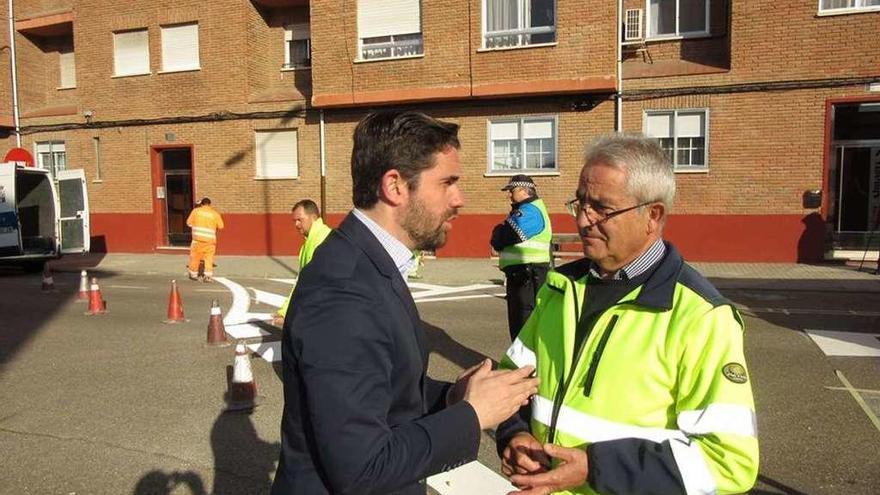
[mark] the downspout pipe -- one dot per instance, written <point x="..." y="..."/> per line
<point x="12" y="66"/>
<point x="618" y="97"/>
<point x="323" y="165"/>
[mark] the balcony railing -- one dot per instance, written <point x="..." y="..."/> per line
<point x="520" y="37"/>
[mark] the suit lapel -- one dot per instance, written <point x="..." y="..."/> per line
<point x="361" y="235"/>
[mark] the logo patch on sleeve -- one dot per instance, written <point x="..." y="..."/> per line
<point x="735" y="372"/>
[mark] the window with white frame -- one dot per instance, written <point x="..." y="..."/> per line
<point x="677" y="17"/>
<point x="276" y="154"/>
<point x="523" y="144"/>
<point x="131" y="53"/>
<point x="832" y="6"/>
<point x="51" y="156"/>
<point x="389" y="29"/>
<point x="180" y="47"/>
<point x="509" y="23"/>
<point x="682" y="134"/>
<point x="297" y="46"/>
<point x="66" y="69"/>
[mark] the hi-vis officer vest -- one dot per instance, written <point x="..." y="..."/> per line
<point x="205" y="221"/>
<point x="533" y="250"/>
<point x="664" y="364"/>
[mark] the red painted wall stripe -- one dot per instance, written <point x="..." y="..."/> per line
<point x="732" y="238"/>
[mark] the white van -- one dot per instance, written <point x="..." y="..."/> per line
<point x="40" y="218"/>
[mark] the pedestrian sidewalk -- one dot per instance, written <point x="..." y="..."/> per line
<point x="462" y="271"/>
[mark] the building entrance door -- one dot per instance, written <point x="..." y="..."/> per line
<point x="854" y="182"/>
<point x="178" y="184"/>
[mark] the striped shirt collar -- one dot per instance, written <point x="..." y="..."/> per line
<point x="400" y="254"/>
<point x="638" y="266"/>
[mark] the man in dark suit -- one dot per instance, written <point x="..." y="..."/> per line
<point x="360" y="414"/>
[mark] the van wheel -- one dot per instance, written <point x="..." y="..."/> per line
<point x="33" y="266"/>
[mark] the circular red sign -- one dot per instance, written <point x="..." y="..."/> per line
<point x="20" y="155"/>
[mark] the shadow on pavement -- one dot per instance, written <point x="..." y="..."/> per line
<point x="162" y="483"/>
<point x="440" y="342"/>
<point x="243" y="462"/>
<point x="27" y="312"/>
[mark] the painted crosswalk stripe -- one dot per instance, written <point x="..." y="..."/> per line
<point x="289" y="281"/>
<point x="459" y="298"/>
<point x="471" y="478"/>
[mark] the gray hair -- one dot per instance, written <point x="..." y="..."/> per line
<point x="649" y="174"/>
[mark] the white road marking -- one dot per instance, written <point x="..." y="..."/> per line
<point x="458" y="298"/>
<point x="246" y="331"/>
<point x="420" y="285"/>
<point x="136" y="287"/>
<point x="291" y="281"/>
<point x="471" y="478"/>
<point x="846" y="343"/>
<point x="268" y="297"/>
<point x="241" y="302"/>
<point x="450" y="290"/>
<point x="270" y="351"/>
<point x="873" y="417"/>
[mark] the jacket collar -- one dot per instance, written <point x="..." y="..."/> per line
<point x="361" y="236"/>
<point x="657" y="292"/>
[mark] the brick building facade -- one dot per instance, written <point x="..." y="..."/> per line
<point x="253" y="103"/>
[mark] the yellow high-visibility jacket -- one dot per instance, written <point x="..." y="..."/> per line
<point x="657" y="392"/>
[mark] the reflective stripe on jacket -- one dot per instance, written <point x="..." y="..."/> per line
<point x="205" y="222"/>
<point x="658" y="390"/>
<point x="535" y="249"/>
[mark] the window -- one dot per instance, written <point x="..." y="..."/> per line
<point x="525" y="144"/>
<point x="67" y="69"/>
<point x="277" y="154"/>
<point x="677" y="17"/>
<point x="832" y="6"/>
<point x="51" y="156"/>
<point x="510" y="23"/>
<point x="682" y="133"/>
<point x="180" y="47"/>
<point x="389" y="29"/>
<point x="131" y="53"/>
<point x="297" y="46"/>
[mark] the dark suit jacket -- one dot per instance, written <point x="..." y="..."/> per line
<point x="360" y="415"/>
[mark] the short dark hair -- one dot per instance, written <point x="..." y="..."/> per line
<point x="205" y="201"/>
<point x="398" y="140"/>
<point x="308" y="206"/>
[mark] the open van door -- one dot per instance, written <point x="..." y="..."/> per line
<point x="10" y="241"/>
<point x="74" y="218"/>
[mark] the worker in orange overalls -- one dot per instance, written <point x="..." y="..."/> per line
<point x="205" y="222"/>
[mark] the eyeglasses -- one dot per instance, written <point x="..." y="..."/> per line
<point x="603" y="214"/>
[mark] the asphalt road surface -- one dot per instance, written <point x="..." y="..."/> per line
<point x="123" y="403"/>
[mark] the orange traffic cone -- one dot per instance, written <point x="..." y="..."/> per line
<point x="175" y="305"/>
<point x="97" y="304"/>
<point x="216" y="330"/>
<point x="48" y="279"/>
<point x="242" y="391"/>
<point x="83" y="286"/>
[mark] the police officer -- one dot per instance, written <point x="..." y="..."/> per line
<point x="522" y="241"/>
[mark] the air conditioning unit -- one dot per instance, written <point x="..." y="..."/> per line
<point x="632" y="28"/>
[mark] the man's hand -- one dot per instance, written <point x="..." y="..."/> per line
<point x="571" y="472"/>
<point x="457" y="390"/>
<point x="277" y="320"/>
<point x="497" y="395"/>
<point x="524" y="455"/>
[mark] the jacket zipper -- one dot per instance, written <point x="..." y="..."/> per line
<point x="594" y="364"/>
<point x="600" y="348"/>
